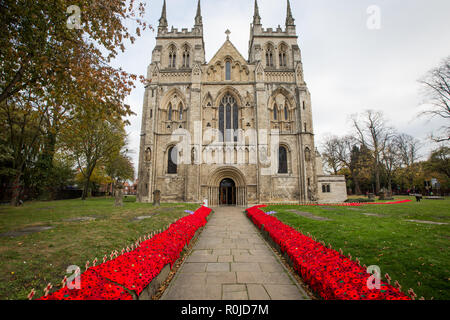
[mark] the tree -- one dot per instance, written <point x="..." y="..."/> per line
<point x="330" y="154"/>
<point x="391" y="160"/>
<point x="408" y="150"/>
<point x="373" y="132"/>
<point x="120" y="168"/>
<point x="22" y="123"/>
<point x="439" y="161"/>
<point x="90" y="141"/>
<point x="436" y="85"/>
<point x="37" y="48"/>
<point x="49" y="72"/>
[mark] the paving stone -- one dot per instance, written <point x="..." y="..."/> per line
<point x="260" y="246"/>
<point x="245" y="266"/>
<point x="240" y="251"/>
<point x="202" y="258"/>
<point x="222" y="252"/>
<point x="242" y="295"/>
<point x="185" y="279"/>
<point x="234" y="287"/>
<point x="221" y="277"/>
<point x="218" y="267"/>
<point x="225" y="259"/>
<point x="271" y="267"/>
<point x="257" y="292"/>
<point x="201" y="252"/>
<point x="284" y="292"/>
<point x="255" y="258"/>
<point x="193" y="267"/>
<point x="196" y="292"/>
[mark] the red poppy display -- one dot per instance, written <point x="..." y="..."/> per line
<point x="332" y="275"/>
<point x="349" y="204"/>
<point x="93" y="287"/>
<point x="136" y="269"/>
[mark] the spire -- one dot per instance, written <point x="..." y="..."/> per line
<point x="163" y="19"/>
<point x="198" y="16"/>
<point x="289" y="19"/>
<point x="256" y="17"/>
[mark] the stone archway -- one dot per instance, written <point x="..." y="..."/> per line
<point x="227" y="182"/>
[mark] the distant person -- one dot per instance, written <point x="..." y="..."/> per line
<point x="418" y="197"/>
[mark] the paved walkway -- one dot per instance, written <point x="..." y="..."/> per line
<point x="231" y="261"/>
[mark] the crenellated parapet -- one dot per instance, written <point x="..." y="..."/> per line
<point x="195" y="32"/>
<point x="277" y="32"/>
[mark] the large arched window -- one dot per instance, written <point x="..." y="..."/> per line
<point x="282" y="160"/>
<point x="186" y="57"/>
<point x="228" y="117"/>
<point x="172" y="161"/>
<point x="269" y="56"/>
<point x="228" y="70"/>
<point x="172" y="56"/>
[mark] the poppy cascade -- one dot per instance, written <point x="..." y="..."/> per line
<point x="332" y="275"/>
<point x="349" y="204"/>
<point x="136" y="269"/>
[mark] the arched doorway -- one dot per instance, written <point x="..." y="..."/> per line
<point x="226" y="177"/>
<point x="227" y="192"/>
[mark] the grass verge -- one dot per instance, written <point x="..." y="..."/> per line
<point x="415" y="254"/>
<point x="35" y="259"/>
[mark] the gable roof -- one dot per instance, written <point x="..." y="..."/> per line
<point x="227" y="49"/>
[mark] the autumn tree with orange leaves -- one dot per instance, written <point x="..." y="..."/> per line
<point x="50" y="72"/>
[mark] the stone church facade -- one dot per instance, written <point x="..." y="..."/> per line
<point x="231" y="130"/>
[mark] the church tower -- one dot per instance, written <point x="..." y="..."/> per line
<point x="172" y="97"/>
<point x="278" y="61"/>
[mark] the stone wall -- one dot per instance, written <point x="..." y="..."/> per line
<point x="337" y="189"/>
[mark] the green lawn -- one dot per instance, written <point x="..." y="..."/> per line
<point x="415" y="254"/>
<point x="33" y="260"/>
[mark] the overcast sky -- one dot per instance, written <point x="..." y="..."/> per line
<point x="348" y="67"/>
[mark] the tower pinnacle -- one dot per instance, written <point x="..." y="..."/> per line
<point x="198" y="16"/>
<point x="256" y="16"/>
<point x="163" y="19"/>
<point x="289" y="18"/>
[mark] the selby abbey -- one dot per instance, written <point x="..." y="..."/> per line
<point x="231" y="130"/>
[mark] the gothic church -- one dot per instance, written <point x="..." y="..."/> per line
<point x="246" y="124"/>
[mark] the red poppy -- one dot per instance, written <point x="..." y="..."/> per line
<point x="326" y="271"/>
<point x="136" y="269"/>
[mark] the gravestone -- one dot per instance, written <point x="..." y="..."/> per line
<point x="119" y="196"/>
<point x="157" y="198"/>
